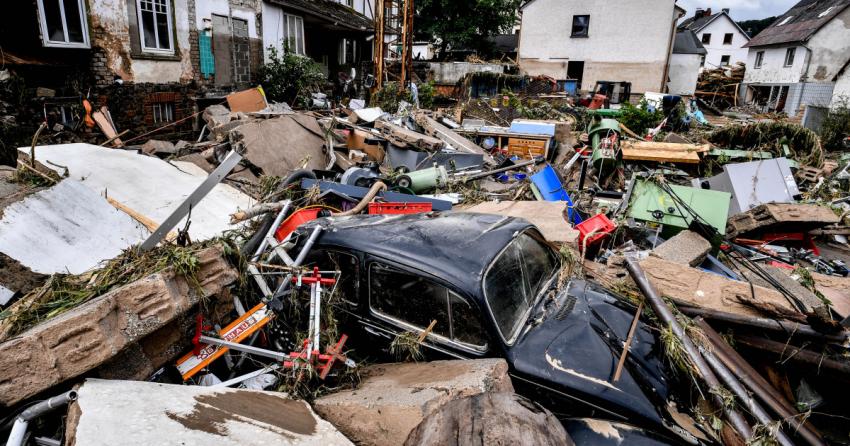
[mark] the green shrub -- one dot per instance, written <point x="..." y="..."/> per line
<point x="290" y="78"/>
<point x="389" y="96"/>
<point x="639" y="118"/>
<point x="427" y="93"/>
<point x="836" y="127"/>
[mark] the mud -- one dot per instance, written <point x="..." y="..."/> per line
<point x="212" y="412"/>
<point x="17" y="277"/>
<point x="414" y="374"/>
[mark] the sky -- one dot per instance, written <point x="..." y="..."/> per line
<point x="740" y="9"/>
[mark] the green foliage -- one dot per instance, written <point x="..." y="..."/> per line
<point x="427" y="93"/>
<point x="464" y="24"/>
<point x="836" y="127"/>
<point x="639" y="118"/>
<point x="289" y="77"/>
<point x="390" y="95"/>
<point x="753" y="27"/>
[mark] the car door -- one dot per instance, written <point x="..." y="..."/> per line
<point x="405" y="302"/>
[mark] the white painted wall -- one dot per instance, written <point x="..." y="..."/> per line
<point x="111" y="15"/>
<point x="204" y="9"/>
<point x="273" y="28"/>
<point x="423" y="51"/>
<point x="830" y="49"/>
<point x="684" y="71"/>
<point x="718" y="28"/>
<point x="365" y="7"/>
<point x="841" y="94"/>
<point x="773" y="69"/>
<point x="629" y="42"/>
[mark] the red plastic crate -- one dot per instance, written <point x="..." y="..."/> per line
<point x="599" y="224"/>
<point x="399" y="208"/>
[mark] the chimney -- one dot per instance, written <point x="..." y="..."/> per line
<point x="708" y="12"/>
<point x="698" y="13"/>
<point x="726" y="10"/>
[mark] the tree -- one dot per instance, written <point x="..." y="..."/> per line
<point x="753" y="27"/>
<point x="464" y="24"/>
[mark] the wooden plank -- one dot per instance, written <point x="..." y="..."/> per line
<point x="661" y="156"/>
<point x="667" y="146"/>
<point x="107" y="129"/>
<point x="404" y="137"/>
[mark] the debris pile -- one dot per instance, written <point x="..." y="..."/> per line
<point x="288" y="275"/>
<point x="719" y="86"/>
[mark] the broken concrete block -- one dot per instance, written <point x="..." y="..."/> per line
<point x="85" y="337"/>
<point x="790" y="283"/>
<point x="155" y="146"/>
<point x="797" y="216"/>
<point x="283" y="144"/>
<point x="216" y="115"/>
<point x="490" y="418"/>
<point x="686" y="247"/>
<point x="142" y="413"/>
<point x="393" y="399"/>
<point x="711" y="291"/>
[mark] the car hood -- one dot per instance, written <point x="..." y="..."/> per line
<point x="573" y="344"/>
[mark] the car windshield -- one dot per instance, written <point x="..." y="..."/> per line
<point x="515" y="279"/>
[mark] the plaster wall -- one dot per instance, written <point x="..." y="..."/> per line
<point x="773" y="69"/>
<point x="631" y="45"/>
<point x="684" y="71"/>
<point x="717" y="49"/>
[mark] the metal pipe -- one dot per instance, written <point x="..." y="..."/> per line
<point x="796" y="354"/>
<point x="756" y="384"/>
<point x="502" y="169"/>
<point x="265" y="242"/>
<point x="19" y="429"/>
<point x="784" y="327"/>
<point x="247" y="376"/>
<point x="308" y="245"/>
<point x="733" y="384"/>
<point x="666" y="317"/>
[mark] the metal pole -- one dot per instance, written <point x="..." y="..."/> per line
<point x="19" y="429"/>
<point x="755" y="408"/>
<point x="666" y="317"/>
<point x="784" y="327"/>
<point x="756" y="384"/>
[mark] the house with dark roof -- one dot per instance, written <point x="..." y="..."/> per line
<point x="722" y="38"/>
<point x="800" y="59"/>
<point x="685" y="63"/>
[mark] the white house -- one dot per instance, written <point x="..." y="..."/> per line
<point x="685" y="64"/>
<point x="592" y="41"/>
<point x="801" y="59"/>
<point x="724" y="41"/>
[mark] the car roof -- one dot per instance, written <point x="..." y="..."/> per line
<point x="455" y="246"/>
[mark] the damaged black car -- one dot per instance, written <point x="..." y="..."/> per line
<point x="485" y="285"/>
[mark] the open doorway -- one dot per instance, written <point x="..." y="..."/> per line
<point x="575" y="70"/>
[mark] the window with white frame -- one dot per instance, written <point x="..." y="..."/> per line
<point x="155" y="26"/>
<point x="163" y="112"/>
<point x="347" y="51"/>
<point x="759" y="59"/>
<point x="293" y="34"/>
<point x="63" y="23"/>
<point x="789" y="56"/>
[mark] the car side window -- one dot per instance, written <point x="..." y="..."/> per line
<point x="347" y="284"/>
<point x="408" y="298"/>
<point x="466" y="322"/>
<point x="417" y="301"/>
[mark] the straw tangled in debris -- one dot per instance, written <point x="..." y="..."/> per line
<point x="63" y="292"/>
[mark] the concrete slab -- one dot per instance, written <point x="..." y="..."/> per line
<point x="148" y="185"/>
<point x="548" y="216"/>
<point x="133" y="413"/>
<point x="686" y="247"/>
<point x="393" y="399"/>
<point x="67" y="228"/>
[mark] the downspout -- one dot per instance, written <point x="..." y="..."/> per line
<point x="676" y="18"/>
<point x="804" y="77"/>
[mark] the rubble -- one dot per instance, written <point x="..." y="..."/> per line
<point x="591" y="249"/>
<point x="393" y="399"/>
